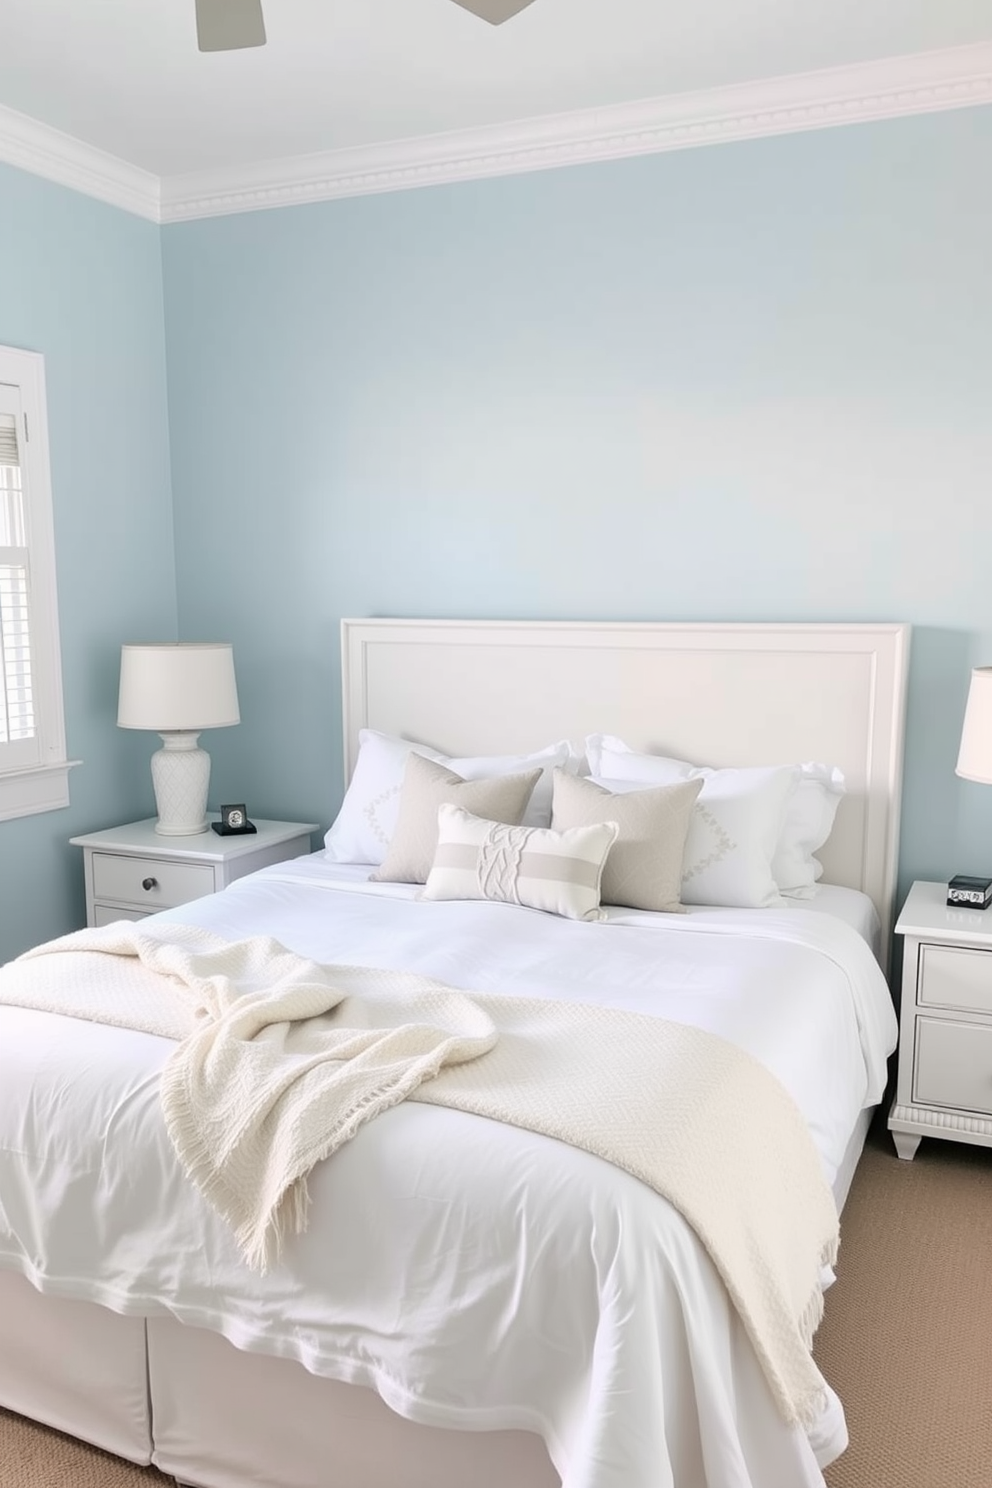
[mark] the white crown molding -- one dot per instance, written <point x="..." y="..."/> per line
<point x="924" y="82"/>
<point x="921" y="83"/>
<point x="59" y="157"/>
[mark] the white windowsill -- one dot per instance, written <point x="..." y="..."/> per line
<point x="28" y="792"/>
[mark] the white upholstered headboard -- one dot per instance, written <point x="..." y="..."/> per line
<point x="718" y="694"/>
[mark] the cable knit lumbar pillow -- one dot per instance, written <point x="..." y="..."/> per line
<point x="644" y="868"/>
<point x="426" y="787"/>
<point x="559" y="872"/>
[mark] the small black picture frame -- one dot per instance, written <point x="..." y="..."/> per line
<point x="233" y="821"/>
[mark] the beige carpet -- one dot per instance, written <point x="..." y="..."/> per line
<point x="907" y="1337"/>
<point x="33" y="1457"/>
<point x="906" y="1340"/>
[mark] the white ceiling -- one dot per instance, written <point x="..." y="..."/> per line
<point x="125" y="76"/>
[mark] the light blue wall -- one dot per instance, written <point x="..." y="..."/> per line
<point x="750" y="381"/>
<point x="82" y="283"/>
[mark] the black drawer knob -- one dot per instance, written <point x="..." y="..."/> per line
<point x="149" y="883"/>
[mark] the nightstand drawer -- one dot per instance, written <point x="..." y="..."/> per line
<point x="122" y="878"/>
<point x="955" y="977"/>
<point x="953" y="1065"/>
<point x="106" y="914"/>
<point x="119" y="860"/>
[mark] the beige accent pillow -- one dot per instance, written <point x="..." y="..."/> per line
<point x="559" y="872"/>
<point x="426" y="786"/>
<point x="644" y="869"/>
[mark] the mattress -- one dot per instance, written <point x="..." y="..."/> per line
<point x="475" y="1275"/>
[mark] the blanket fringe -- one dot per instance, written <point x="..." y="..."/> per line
<point x="291" y="1213"/>
<point x="811" y="1405"/>
<point x="260" y="1246"/>
<point x="261" y="1250"/>
<point x="261" y="1243"/>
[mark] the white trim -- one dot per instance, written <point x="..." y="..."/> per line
<point x="923" y="82"/>
<point x="40" y="783"/>
<point x="28" y="792"/>
<point x="58" y="157"/>
<point x="29" y="368"/>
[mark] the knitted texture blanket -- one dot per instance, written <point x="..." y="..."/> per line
<point x="279" y="1060"/>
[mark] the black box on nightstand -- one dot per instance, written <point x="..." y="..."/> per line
<point x="975" y="893"/>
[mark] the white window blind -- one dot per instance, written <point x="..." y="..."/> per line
<point x="17" y="721"/>
<point x="33" y="765"/>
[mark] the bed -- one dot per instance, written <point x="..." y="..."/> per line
<point x="472" y="1302"/>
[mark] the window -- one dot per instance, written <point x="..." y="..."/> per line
<point x="33" y="766"/>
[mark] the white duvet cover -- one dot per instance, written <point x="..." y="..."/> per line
<point x="476" y="1275"/>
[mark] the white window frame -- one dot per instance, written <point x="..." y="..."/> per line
<point x="41" y="782"/>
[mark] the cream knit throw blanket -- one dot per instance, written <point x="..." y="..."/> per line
<point x="280" y="1060"/>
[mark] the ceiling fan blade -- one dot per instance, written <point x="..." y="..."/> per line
<point x="494" y="11"/>
<point x="228" y="25"/>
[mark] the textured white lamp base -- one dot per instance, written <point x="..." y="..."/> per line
<point x="181" y="775"/>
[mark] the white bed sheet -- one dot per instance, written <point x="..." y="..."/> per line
<point x="849" y="905"/>
<point x="477" y="1276"/>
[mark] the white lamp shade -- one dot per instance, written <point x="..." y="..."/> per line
<point x="975" y="757"/>
<point x="177" y="687"/>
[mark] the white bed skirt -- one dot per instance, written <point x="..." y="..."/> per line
<point x="75" y="1366"/>
<point x="156" y="1391"/>
<point x="317" y="1433"/>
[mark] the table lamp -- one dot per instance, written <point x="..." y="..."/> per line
<point x="975" y="756"/>
<point x="177" y="690"/>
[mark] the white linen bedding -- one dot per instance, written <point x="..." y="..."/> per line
<point x="475" y="1274"/>
<point x="849" y="905"/>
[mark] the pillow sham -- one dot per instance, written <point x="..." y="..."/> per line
<point x="558" y="872"/>
<point x="809" y="820"/>
<point x="736" y="825"/>
<point x="364" y="826"/>
<point x="809" y="810"/>
<point x="427" y="786"/>
<point x="644" y="866"/>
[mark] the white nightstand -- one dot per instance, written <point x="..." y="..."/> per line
<point x="132" y="872"/>
<point x="945" y="1023"/>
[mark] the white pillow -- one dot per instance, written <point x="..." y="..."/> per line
<point x="807" y="821"/>
<point x="736" y="822"/>
<point x="558" y="872"/>
<point x="364" y="827"/>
